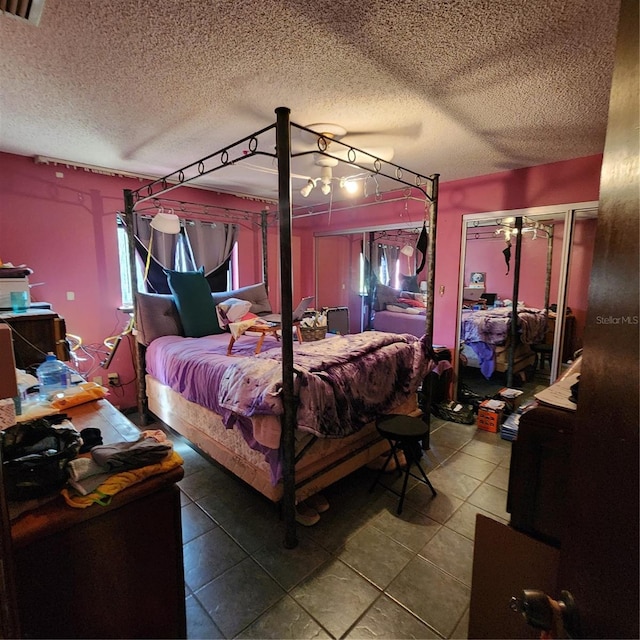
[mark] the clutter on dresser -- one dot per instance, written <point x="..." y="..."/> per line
<point x="35" y="455"/>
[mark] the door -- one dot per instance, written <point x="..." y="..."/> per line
<point x="599" y="565"/>
<point x="599" y="561"/>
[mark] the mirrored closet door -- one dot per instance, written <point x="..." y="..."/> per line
<point x="349" y="263"/>
<point x="543" y="257"/>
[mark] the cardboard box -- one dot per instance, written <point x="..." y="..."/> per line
<point x="511" y="398"/>
<point x="490" y="414"/>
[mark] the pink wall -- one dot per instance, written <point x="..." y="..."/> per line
<point x="64" y="229"/>
<point x="485" y="254"/>
<point x="561" y="182"/>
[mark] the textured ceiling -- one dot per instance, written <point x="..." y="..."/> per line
<point x="457" y="87"/>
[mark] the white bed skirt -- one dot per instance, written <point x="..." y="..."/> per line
<point x="328" y="460"/>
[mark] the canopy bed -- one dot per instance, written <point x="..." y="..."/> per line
<point x="288" y="426"/>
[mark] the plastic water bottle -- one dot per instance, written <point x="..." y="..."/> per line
<point x="53" y="376"/>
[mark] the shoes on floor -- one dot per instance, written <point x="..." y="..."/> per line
<point x="317" y="502"/>
<point x="306" y="515"/>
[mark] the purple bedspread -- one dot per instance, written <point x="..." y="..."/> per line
<point x="342" y="383"/>
<point x="486" y="329"/>
<point x="492" y="326"/>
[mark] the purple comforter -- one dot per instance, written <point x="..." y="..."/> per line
<point x="484" y="330"/>
<point x="492" y="326"/>
<point x="342" y="383"/>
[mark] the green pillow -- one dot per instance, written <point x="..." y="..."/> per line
<point x="195" y="305"/>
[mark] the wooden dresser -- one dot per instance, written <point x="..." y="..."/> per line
<point x="103" y="572"/>
<point x="539" y="473"/>
<point x="35" y="333"/>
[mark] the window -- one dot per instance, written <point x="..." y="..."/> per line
<point x="183" y="263"/>
<point x="125" y="272"/>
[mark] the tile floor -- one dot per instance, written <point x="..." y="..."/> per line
<point x="362" y="571"/>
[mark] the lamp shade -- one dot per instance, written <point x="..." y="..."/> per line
<point x="407" y="250"/>
<point x="166" y="223"/>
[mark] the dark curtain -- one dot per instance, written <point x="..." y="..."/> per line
<point x="199" y="243"/>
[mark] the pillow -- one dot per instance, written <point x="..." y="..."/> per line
<point x="194" y="302"/>
<point x="255" y="293"/>
<point x="232" y="310"/>
<point x="384" y="295"/>
<point x="156" y="315"/>
<point x="400" y="308"/>
<point x="412" y="302"/>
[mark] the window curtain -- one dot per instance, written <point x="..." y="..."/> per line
<point x="199" y="244"/>
<point x="391" y="253"/>
<point x="385" y="263"/>
<point x="210" y="245"/>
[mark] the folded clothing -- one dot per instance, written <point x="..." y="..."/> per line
<point x="121" y="456"/>
<point x="116" y="482"/>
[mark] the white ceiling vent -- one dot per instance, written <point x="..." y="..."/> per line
<point x="28" y="10"/>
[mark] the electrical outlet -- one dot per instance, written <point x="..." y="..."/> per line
<point x="114" y="379"/>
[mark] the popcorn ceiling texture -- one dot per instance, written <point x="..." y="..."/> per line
<point x="457" y="87"/>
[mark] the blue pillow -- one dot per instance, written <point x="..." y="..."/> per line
<point x="196" y="307"/>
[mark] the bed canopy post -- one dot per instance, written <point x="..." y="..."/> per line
<point x="431" y="257"/>
<point x="547" y="286"/>
<point x="514" y="301"/>
<point x="265" y="264"/>
<point x="283" y="153"/>
<point x="129" y="219"/>
<point x="427" y="383"/>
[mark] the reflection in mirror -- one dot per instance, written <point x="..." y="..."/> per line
<point x="548" y="267"/>
<point x="349" y="265"/>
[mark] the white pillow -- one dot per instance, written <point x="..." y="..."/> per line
<point x="232" y="310"/>
<point x="410" y="310"/>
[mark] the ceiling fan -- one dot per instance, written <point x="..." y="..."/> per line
<point x="321" y="136"/>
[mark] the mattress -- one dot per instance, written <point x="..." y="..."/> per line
<point x="396" y="322"/>
<point x="341" y="384"/>
<point x="326" y="461"/>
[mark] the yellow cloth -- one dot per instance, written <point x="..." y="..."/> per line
<point x="79" y="394"/>
<point x="119" y="481"/>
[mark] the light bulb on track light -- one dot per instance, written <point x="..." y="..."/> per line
<point x="326" y="189"/>
<point x="306" y="190"/>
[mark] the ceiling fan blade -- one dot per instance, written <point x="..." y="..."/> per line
<point x="405" y="131"/>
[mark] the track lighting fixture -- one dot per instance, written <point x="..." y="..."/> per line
<point x="349" y="184"/>
<point x="306" y="190"/>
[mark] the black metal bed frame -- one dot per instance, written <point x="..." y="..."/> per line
<point x="240" y="151"/>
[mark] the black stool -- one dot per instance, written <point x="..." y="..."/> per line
<point x="405" y="433"/>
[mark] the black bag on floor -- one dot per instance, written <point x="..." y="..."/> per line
<point x="454" y="412"/>
<point x="35" y="456"/>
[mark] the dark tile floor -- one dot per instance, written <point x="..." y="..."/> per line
<point x="363" y="571"/>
